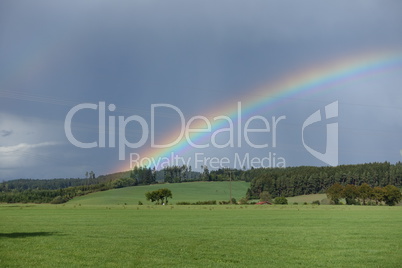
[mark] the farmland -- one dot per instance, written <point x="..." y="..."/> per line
<point x="182" y="192"/>
<point x="110" y="229"/>
<point x="74" y="235"/>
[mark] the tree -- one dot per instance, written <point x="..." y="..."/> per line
<point x="335" y="192"/>
<point x="165" y="194"/>
<point x="350" y="194"/>
<point x="152" y="196"/>
<point x="292" y="181"/>
<point x="143" y="175"/>
<point x="265" y="196"/>
<point x="205" y="173"/>
<point x="392" y="195"/>
<point x="161" y="195"/>
<point x="249" y="194"/>
<point x="378" y="195"/>
<point x="189" y="172"/>
<point x="364" y="192"/>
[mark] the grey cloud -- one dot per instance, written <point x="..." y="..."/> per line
<point x="5" y="133"/>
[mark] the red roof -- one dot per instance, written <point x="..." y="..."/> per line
<point x="263" y="203"/>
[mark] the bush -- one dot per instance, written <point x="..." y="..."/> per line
<point x="59" y="200"/>
<point x="316" y="202"/>
<point x="243" y="201"/>
<point x="295" y="203"/>
<point x="234" y="202"/>
<point x="183" y="203"/>
<point x="351" y="201"/>
<point x="140" y="203"/>
<point x="124" y="182"/>
<point x="281" y="200"/>
<point x="211" y="202"/>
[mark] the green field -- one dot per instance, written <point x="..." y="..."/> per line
<point x="200" y="236"/>
<point x="182" y="192"/>
<point x="301" y="199"/>
<point x="109" y="229"/>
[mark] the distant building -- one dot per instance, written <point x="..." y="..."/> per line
<point x="263" y="203"/>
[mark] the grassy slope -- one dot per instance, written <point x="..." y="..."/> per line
<point x="190" y="192"/>
<point x="200" y="236"/>
<point x="309" y="199"/>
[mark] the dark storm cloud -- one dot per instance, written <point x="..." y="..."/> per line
<point x="194" y="54"/>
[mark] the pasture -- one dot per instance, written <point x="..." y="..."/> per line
<point x="74" y="235"/>
<point x="182" y="192"/>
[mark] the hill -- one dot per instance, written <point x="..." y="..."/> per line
<point x="301" y="199"/>
<point x="182" y="192"/>
<point x="60" y="183"/>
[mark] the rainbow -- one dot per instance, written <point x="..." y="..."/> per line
<point x="311" y="80"/>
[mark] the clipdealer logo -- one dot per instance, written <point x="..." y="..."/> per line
<point x="330" y="156"/>
<point x="117" y="125"/>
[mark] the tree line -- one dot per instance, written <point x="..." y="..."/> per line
<point x="177" y="174"/>
<point x="304" y="180"/>
<point x="59" y="183"/>
<point x="46" y="191"/>
<point x="364" y="194"/>
<point x="290" y="181"/>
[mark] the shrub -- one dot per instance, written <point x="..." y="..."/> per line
<point x="351" y="201"/>
<point x="59" y="200"/>
<point x="228" y="202"/>
<point x="281" y="200"/>
<point x="140" y="203"/>
<point x="183" y="203"/>
<point x="124" y="182"/>
<point x="210" y="202"/>
<point x="295" y="203"/>
<point x="316" y="202"/>
<point x="243" y="201"/>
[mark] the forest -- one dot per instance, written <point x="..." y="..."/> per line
<point x="294" y="181"/>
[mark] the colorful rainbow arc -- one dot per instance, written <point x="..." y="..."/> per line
<point x="315" y="79"/>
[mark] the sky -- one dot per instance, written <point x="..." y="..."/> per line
<point x="218" y="83"/>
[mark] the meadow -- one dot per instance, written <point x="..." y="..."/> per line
<point x="182" y="192"/>
<point x="74" y="235"/>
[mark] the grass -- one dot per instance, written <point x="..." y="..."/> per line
<point x="199" y="236"/>
<point x="301" y="199"/>
<point x="182" y="192"/>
